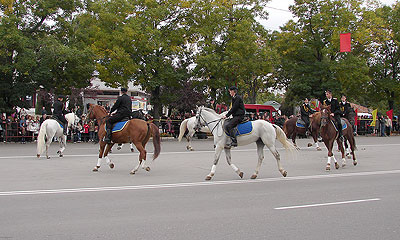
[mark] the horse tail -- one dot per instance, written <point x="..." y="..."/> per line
<point x="156" y="140"/>
<point x="281" y="136"/>
<point x="182" y="129"/>
<point x="41" y="141"/>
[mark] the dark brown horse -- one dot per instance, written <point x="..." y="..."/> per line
<point x="329" y="134"/>
<point x="291" y="130"/>
<point x="136" y="131"/>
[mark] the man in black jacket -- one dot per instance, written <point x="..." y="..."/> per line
<point x="123" y="106"/>
<point x="237" y="111"/>
<point x="306" y="111"/>
<point x="59" y="111"/>
<point x="335" y="111"/>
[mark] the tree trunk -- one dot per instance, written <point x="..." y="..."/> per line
<point x="156" y="102"/>
<point x="391" y="100"/>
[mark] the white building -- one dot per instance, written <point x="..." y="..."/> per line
<point x="103" y="95"/>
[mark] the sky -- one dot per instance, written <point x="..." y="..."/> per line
<point x="279" y="13"/>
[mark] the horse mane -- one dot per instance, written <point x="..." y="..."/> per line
<point x="210" y="110"/>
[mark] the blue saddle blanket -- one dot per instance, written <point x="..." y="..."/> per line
<point x="119" y="126"/>
<point x="244" y="128"/>
<point x="61" y="125"/>
<point x="344" y="125"/>
<point x="300" y="125"/>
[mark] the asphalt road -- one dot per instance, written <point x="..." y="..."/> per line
<point x="62" y="198"/>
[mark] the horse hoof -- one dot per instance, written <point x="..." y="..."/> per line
<point x="328" y="167"/>
<point x="48" y="157"/>
<point x="147" y="169"/>
<point x="309" y="145"/>
<point x="337" y="165"/>
<point x="319" y="149"/>
<point x="355" y="163"/>
<point x="38" y="155"/>
<point x="132" y="150"/>
<point x="241" y="174"/>
<point x="284" y="173"/>
<point x="343" y="164"/>
<point x="119" y="148"/>
<point x="58" y="152"/>
<point x="61" y="155"/>
<point x="95" y="169"/>
<point x="111" y="165"/>
<point x="132" y="173"/>
<point x="253" y="176"/>
<point x="208" y="178"/>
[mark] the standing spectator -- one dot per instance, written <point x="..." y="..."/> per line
<point x="91" y="131"/>
<point x="381" y="121"/>
<point x="44" y="111"/>
<point x="3" y="128"/>
<point x="36" y="127"/>
<point x="78" y="111"/>
<point x="42" y="119"/>
<point x="22" y="126"/>
<point x="29" y="127"/>
<point x="85" y="131"/>
<point x="388" y="125"/>
<point x="77" y="133"/>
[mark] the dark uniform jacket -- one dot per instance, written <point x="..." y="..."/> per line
<point x="306" y="111"/>
<point x="237" y="109"/>
<point x="123" y="105"/>
<point x="58" y="108"/>
<point x="345" y="108"/>
<point x="335" y="108"/>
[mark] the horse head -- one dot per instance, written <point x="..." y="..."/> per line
<point x="325" y="115"/>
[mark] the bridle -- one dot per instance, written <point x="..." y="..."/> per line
<point x="200" y="117"/>
<point x="90" y="112"/>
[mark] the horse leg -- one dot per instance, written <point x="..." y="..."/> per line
<point x="294" y="135"/>
<point x="63" y="143"/>
<point x="260" y="152"/>
<point x="131" y="145"/>
<point x="189" y="137"/>
<point x="119" y="147"/>
<point x="48" y="142"/>
<point x="277" y="156"/>
<point x="340" y="146"/>
<point x="218" y="151"/>
<point x="101" y="151"/>
<point x="142" y="156"/>
<point x="229" y="160"/>
<point x="352" y="142"/>
<point x="108" y="161"/>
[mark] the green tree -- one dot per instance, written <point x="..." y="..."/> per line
<point x="37" y="47"/>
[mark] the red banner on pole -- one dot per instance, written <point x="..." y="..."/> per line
<point x="390" y="114"/>
<point x="345" y="42"/>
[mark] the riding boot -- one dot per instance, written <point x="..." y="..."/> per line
<point x="233" y="138"/>
<point x="340" y="137"/>
<point x="65" y="129"/>
<point x="107" y="138"/>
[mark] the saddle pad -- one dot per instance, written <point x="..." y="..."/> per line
<point x="243" y="128"/>
<point x="344" y="124"/>
<point x="300" y="125"/>
<point x="119" y="126"/>
<point x="62" y="126"/>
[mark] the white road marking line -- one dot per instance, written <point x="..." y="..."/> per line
<point x="327" y="204"/>
<point x="170" y="153"/>
<point x="189" y="184"/>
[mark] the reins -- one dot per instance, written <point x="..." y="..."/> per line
<point x="207" y="123"/>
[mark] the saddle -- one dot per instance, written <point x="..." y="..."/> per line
<point x="342" y="121"/>
<point x="300" y="123"/>
<point x="243" y="128"/>
<point x="59" y="122"/>
<point x="119" y="126"/>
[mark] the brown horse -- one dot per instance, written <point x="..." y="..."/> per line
<point x="136" y="131"/>
<point x="329" y="134"/>
<point x="291" y="130"/>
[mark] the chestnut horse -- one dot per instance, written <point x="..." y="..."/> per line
<point x="329" y="134"/>
<point x="291" y="130"/>
<point x="136" y="131"/>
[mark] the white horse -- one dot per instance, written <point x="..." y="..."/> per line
<point x="192" y="126"/>
<point x="264" y="133"/>
<point x="49" y="129"/>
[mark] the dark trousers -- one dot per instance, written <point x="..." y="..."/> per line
<point x="232" y="124"/>
<point x="113" y="119"/>
<point x="61" y="118"/>
<point x="306" y="120"/>
<point x="338" y="124"/>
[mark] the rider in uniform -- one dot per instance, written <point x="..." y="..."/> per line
<point x="59" y="111"/>
<point x="306" y="111"/>
<point x="346" y="109"/>
<point x="123" y="106"/>
<point x="335" y="111"/>
<point x="237" y="111"/>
